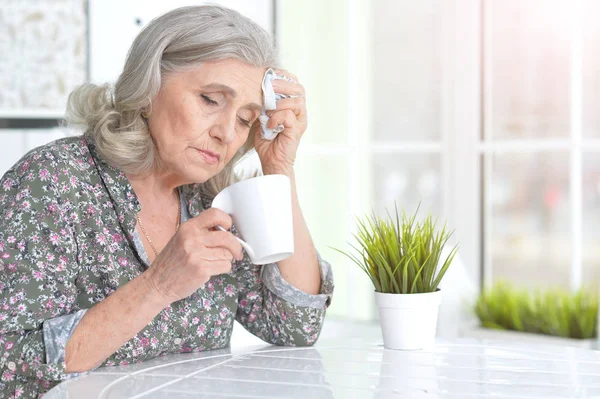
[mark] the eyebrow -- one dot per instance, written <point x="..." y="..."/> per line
<point x="229" y="90"/>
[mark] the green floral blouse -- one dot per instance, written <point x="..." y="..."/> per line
<point x="68" y="240"/>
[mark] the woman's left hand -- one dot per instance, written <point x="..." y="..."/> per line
<point x="277" y="156"/>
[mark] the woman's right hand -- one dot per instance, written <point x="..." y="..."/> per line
<point x="194" y="254"/>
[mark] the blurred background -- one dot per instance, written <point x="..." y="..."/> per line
<point x="483" y="111"/>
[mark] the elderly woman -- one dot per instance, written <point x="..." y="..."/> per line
<point x="109" y="253"/>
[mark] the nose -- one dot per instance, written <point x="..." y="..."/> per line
<point x="224" y="127"/>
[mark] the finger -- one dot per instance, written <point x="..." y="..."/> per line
<point x="295" y="104"/>
<point x="224" y="239"/>
<point x="217" y="254"/>
<point x="284" y="87"/>
<point x="212" y="217"/>
<point x="285" y="117"/>
<point x="216" y="268"/>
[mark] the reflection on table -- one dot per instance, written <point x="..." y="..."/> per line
<point x="353" y="369"/>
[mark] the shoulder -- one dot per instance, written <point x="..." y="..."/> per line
<point x="47" y="166"/>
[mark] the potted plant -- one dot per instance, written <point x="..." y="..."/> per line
<point x="554" y="316"/>
<point x="401" y="256"/>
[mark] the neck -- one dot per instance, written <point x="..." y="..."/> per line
<point x="154" y="185"/>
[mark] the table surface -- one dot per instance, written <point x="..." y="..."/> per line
<point x="351" y="368"/>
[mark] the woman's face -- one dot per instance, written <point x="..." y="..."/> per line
<point x="201" y="117"/>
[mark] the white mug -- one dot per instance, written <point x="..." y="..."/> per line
<point x="261" y="209"/>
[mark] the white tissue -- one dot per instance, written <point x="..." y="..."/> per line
<point x="270" y="99"/>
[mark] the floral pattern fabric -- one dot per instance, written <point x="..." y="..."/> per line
<point x="67" y="241"/>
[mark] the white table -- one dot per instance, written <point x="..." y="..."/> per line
<point x="353" y="369"/>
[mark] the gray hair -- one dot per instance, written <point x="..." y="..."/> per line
<point x="176" y="41"/>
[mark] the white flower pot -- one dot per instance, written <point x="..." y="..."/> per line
<point x="408" y="321"/>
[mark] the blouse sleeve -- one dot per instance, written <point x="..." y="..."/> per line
<point x="37" y="266"/>
<point x="277" y="312"/>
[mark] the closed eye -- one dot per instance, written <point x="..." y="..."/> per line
<point x="208" y="100"/>
<point x="245" y="122"/>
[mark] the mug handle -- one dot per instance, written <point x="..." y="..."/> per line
<point x="244" y="244"/>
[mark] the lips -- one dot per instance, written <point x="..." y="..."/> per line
<point x="210" y="157"/>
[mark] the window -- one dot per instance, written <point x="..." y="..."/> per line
<point x="541" y="180"/>
<point x="483" y="111"/>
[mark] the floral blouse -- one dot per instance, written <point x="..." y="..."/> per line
<point x="68" y="240"/>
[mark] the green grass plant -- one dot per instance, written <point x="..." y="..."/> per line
<point x="555" y="312"/>
<point x="401" y="255"/>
